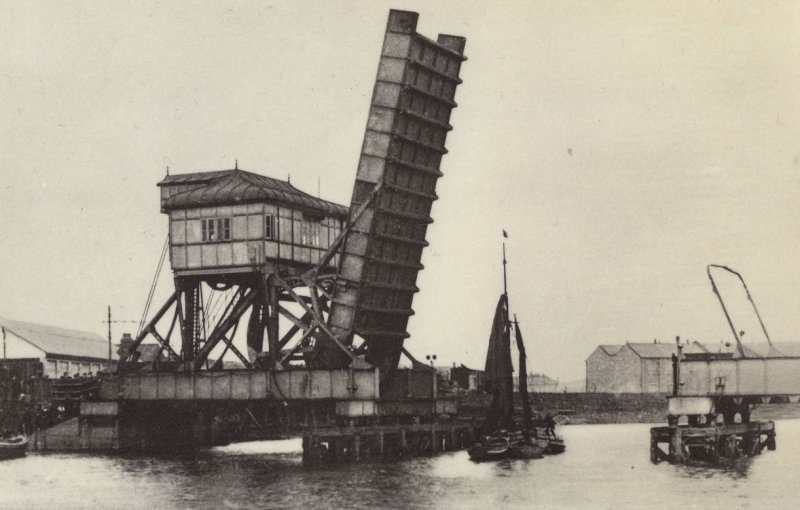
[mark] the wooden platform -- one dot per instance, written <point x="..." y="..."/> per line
<point x="380" y="441"/>
<point x="714" y="443"/>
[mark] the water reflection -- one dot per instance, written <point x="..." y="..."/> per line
<point x="734" y="470"/>
<point x="605" y="466"/>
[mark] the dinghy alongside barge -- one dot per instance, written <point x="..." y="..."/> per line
<point x="13" y="447"/>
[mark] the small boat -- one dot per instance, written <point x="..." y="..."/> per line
<point x="503" y="444"/>
<point x="490" y="447"/>
<point x="555" y="446"/>
<point x="552" y="442"/>
<point x="13" y="447"/>
<point x="507" y="437"/>
<point x="526" y="448"/>
<point x="508" y="440"/>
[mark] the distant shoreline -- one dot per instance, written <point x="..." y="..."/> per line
<point x="610" y="408"/>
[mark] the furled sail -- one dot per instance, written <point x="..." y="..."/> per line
<point x="498" y="377"/>
<point x="523" y="377"/>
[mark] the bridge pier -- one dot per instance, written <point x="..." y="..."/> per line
<point x="384" y="441"/>
<point x="341" y="414"/>
<point x="711" y="432"/>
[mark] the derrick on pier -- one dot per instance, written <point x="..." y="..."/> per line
<point x="715" y="392"/>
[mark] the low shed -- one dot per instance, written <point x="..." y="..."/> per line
<point x="60" y="350"/>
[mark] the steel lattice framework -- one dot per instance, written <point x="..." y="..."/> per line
<point x="360" y="309"/>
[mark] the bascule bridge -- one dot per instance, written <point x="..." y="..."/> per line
<point x="321" y="292"/>
<point x="351" y="271"/>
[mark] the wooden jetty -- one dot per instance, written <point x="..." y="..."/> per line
<point x="714" y="443"/>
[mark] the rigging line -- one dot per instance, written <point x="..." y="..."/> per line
<point x="216" y="297"/>
<point x="212" y="301"/>
<point x="152" y="291"/>
<point x="201" y="307"/>
<point x="213" y="311"/>
<point x="224" y="296"/>
<point x="219" y="315"/>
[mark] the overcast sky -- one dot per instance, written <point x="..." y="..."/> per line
<point x="622" y="145"/>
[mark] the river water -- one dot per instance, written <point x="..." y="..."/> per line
<point x="605" y="466"/>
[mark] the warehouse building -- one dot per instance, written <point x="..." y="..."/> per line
<point x="630" y="368"/>
<point x="61" y="351"/>
<point x="647" y="367"/>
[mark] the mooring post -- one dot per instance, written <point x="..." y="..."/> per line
<point x="306" y="443"/>
<point x="674" y="446"/>
<point x="333" y="447"/>
<point x="403" y="444"/>
<point x="653" y="446"/>
<point x="116" y="442"/>
<point x="380" y="443"/>
<point x="357" y="446"/>
<point x="82" y="436"/>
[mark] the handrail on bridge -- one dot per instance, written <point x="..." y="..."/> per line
<point x="77" y="389"/>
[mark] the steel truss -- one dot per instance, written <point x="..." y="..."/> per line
<point x="309" y="340"/>
<point x="263" y="295"/>
<point x="194" y="328"/>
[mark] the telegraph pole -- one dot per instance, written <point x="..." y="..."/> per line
<point x="109" y="338"/>
<point x="109" y="322"/>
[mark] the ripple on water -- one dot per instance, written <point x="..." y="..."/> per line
<point x="605" y="466"/>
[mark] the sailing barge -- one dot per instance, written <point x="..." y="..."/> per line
<point x="503" y="436"/>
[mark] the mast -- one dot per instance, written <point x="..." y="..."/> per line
<point x="499" y="371"/>
<point x="109" y="338"/>
<point x="505" y="281"/>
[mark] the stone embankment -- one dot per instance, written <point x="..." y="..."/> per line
<point x="584" y="407"/>
<point x="609" y="407"/>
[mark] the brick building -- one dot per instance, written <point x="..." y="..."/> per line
<point x="466" y="378"/>
<point x="630" y="368"/>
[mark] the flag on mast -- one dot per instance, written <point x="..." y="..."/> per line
<point x="505" y="234"/>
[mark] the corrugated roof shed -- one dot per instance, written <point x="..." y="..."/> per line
<point x="694" y="347"/>
<point x="654" y="350"/>
<point x="231" y="187"/>
<point x="648" y="350"/>
<point x="751" y="350"/>
<point x="789" y="349"/>
<point x="149" y="352"/>
<point x="59" y="341"/>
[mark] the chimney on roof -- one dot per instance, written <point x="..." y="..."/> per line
<point x="125" y="345"/>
